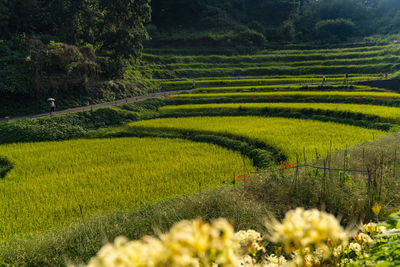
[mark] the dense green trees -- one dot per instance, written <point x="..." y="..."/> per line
<point x="280" y="20"/>
<point x="69" y="48"/>
<point x="115" y="28"/>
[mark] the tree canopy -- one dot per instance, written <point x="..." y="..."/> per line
<point x="279" y="20"/>
<point x="115" y="28"/>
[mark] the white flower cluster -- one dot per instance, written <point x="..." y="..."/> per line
<point x="250" y="242"/>
<point x="308" y="229"/>
<point x="309" y="238"/>
<point x="195" y="243"/>
<point x="147" y="252"/>
<point x="269" y="261"/>
<point x="274" y="261"/>
<point x="189" y="243"/>
<point x="373" y="229"/>
<point x="363" y="240"/>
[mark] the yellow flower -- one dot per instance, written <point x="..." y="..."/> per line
<point x="376" y="208"/>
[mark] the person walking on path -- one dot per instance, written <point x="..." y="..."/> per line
<point x="193" y="84"/>
<point x="323" y="79"/>
<point x="52" y="104"/>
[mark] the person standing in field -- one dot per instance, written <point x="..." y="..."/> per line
<point x="193" y="84"/>
<point x="323" y="79"/>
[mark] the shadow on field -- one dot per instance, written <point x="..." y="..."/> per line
<point x="5" y="167"/>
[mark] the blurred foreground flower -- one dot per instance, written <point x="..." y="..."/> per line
<point x="304" y="238"/>
<point x="189" y="243"/>
<point x="310" y="234"/>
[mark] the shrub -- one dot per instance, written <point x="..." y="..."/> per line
<point x="339" y="29"/>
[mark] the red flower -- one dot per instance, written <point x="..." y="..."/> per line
<point x="286" y="165"/>
<point x="245" y="178"/>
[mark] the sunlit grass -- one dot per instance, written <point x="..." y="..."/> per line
<point x="388" y="113"/>
<point x="290" y="136"/>
<point x="289" y="93"/>
<point x="52" y="182"/>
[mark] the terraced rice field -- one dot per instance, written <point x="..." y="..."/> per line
<point x="273" y="88"/>
<point x="362" y="60"/>
<point x="291" y="136"/>
<point x="52" y="183"/>
<point x="206" y="82"/>
<point x="385" y="113"/>
<point x="289" y="93"/>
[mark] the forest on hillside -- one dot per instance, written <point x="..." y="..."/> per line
<point x="280" y="20"/>
<point x="112" y="24"/>
<point x="92" y="48"/>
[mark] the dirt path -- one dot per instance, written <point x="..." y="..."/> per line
<point x="97" y="106"/>
<point x="124" y="101"/>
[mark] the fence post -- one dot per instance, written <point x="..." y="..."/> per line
<point x="394" y="163"/>
<point x="305" y="159"/>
